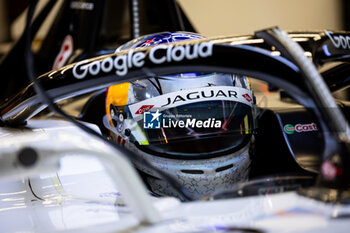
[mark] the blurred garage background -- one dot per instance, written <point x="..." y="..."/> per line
<point x="224" y="17"/>
<point x="211" y="18"/>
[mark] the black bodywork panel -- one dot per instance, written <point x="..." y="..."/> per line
<point x="279" y="152"/>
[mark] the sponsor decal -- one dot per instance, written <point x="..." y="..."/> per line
<point x="192" y="123"/>
<point x="290" y="129"/>
<point x="339" y="41"/>
<point x="82" y="5"/>
<point x="247" y="97"/>
<point x="156" y="120"/>
<point x="122" y="63"/>
<point x="197" y="95"/>
<point x="144" y="108"/>
<point x="151" y="120"/>
<point x="189" y="96"/>
<point x="65" y="52"/>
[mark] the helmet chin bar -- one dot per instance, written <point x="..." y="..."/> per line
<point x="211" y="175"/>
<point x="221" y="57"/>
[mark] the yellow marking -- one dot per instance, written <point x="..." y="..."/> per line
<point x="144" y="143"/>
<point x="249" y="84"/>
<point x="117" y="95"/>
<point x="58" y="186"/>
<point x="246" y="125"/>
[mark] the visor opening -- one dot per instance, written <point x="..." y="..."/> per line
<point x="223" y="168"/>
<point x="197" y="172"/>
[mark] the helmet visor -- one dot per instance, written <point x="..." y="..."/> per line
<point x="199" y="130"/>
<point x="189" y="115"/>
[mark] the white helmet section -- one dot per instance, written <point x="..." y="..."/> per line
<point x="200" y="177"/>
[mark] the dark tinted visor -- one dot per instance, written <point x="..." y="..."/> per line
<point x="200" y="130"/>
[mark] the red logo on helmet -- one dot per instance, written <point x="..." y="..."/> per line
<point x="144" y="108"/>
<point x="247" y="97"/>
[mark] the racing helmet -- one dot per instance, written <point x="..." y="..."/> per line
<point x="194" y="126"/>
